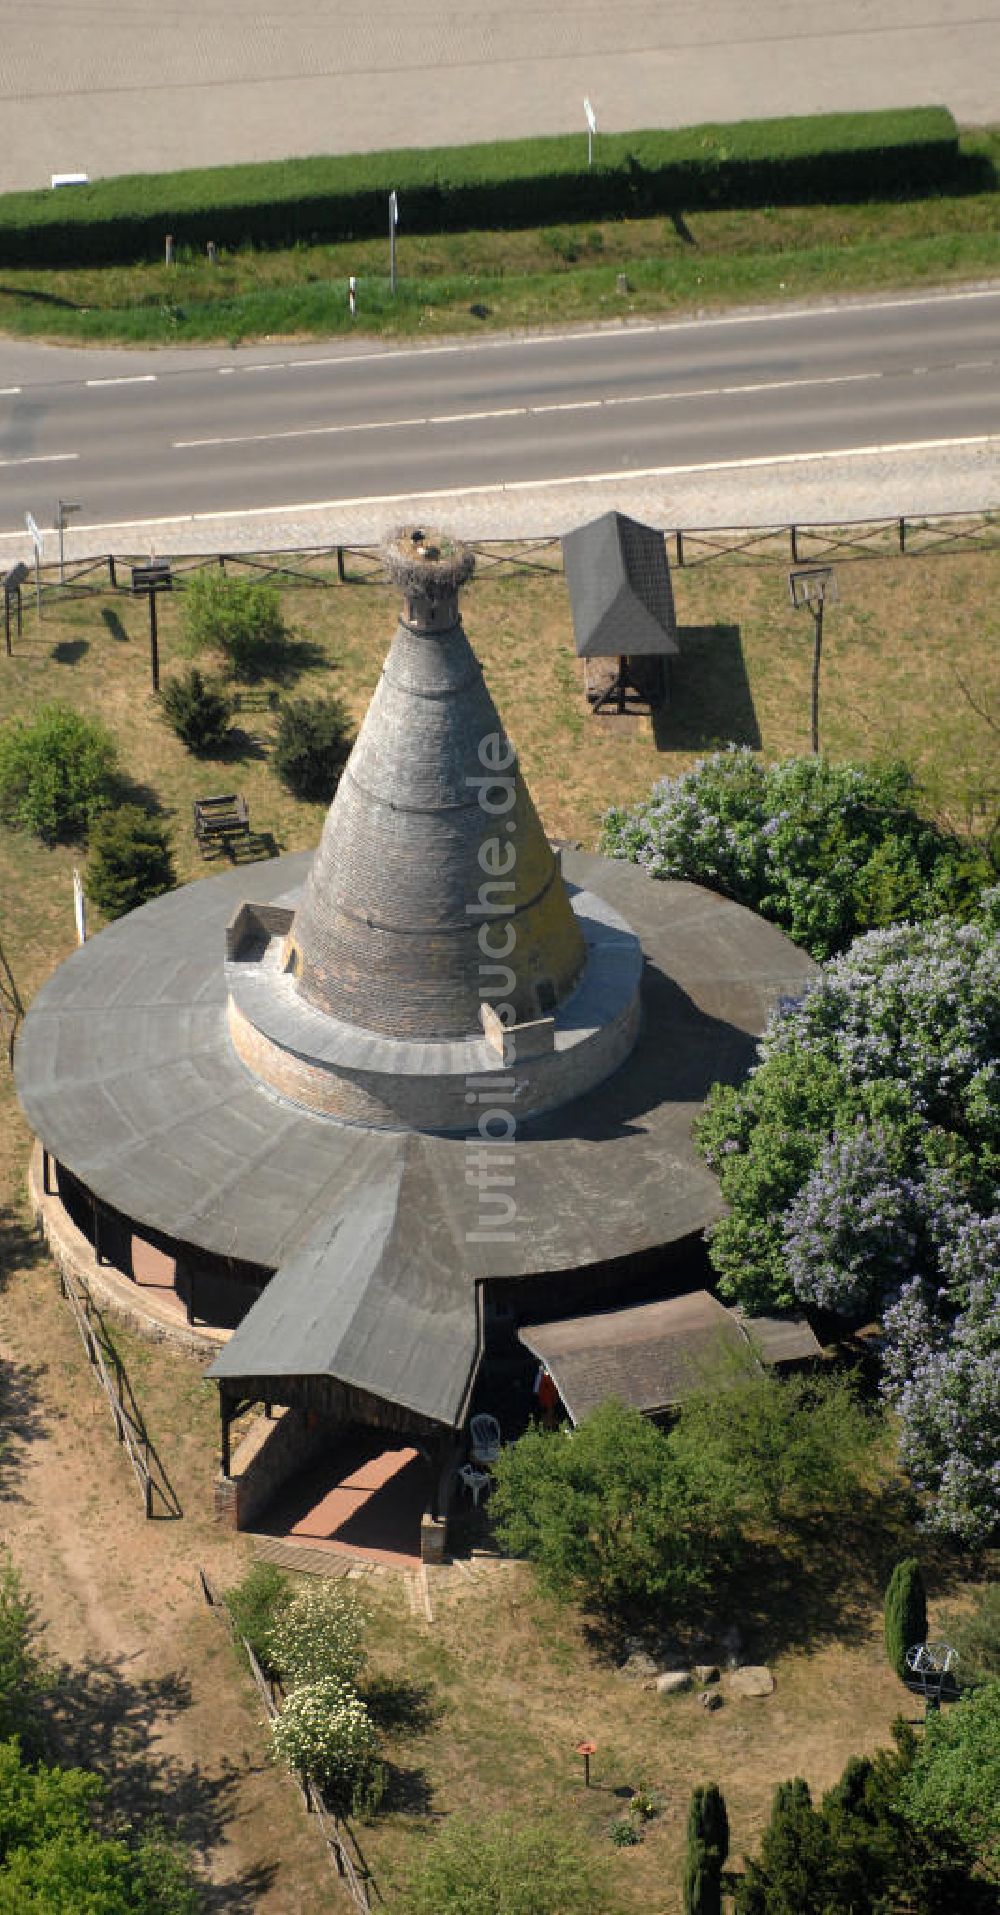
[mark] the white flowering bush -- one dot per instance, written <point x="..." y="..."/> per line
<point x="942" y="1375"/>
<point x="325" y="1732"/>
<point x="318" y="1634"/>
<point x="826" y="851"/>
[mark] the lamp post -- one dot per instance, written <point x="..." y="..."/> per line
<point x="809" y="587"/>
<point x="147" y="581"/>
<point x="63" y="509"/>
<point x="586" y="1749"/>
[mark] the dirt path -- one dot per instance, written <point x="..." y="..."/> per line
<point x="151" y="1693"/>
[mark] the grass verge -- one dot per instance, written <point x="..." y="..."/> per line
<point x="470" y="282"/>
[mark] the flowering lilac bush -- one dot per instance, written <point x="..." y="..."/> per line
<point x="942" y="1375"/>
<point x="826" y="851"/>
<point x="861" y="1164"/>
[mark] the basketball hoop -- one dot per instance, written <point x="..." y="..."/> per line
<point x="812" y="585"/>
<point x="809" y="588"/>
<point x="931" y="1663"/>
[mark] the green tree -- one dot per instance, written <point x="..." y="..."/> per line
<point x="503" y="1866"/>
<point x="198" y="709"/>
<point x="20" y="1671"/>
<point x="707" y="1850"/>
<point x="953" y="1789"/>
<point x="312" y="746"/>
<point x="787" y="1446"/>
<point x="905" y="1613"/>
<point x="58" y="772"/>
<point x="610" y="1513"/>
<point x="241" y="618"/>
<point x="130" y="861"/>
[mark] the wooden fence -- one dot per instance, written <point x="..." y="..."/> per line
<point x="340" y="1845"/>
<point x="330" y="565"/>
<point x="129" y="1424"/>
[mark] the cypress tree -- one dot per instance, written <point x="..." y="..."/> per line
<point x="905" y="1617"/>
<point x="707" y="1849"/>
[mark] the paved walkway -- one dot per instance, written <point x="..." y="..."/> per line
<point x="103" y="87"/>
<point x="831" y="490"/>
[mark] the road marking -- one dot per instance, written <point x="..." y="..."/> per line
<point x="43" y="458"/>
<point x="500" y="489"/>
<point x="526" y="412"/>
<point x="7" y="392"/>
<point x="126" y="379"/>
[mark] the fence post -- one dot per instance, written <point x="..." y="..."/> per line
<point x="793" y="530"/>
<point x="680" y="548"/>
<point x="112" y="573"/>
<point x="902" y="535"/>
<point x="341" y="573"/>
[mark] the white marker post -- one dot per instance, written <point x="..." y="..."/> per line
<point x="36" y="540"/>
<point x="591" y="130"/>
<point x="393" y="223"/>
<point x="79" y="907"/>
<point x="63" y="509"/>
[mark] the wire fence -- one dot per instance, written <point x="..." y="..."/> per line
<point x="947" y="534"/>
<point x="130" y="1428"/>
<point x="340" y="1844"/>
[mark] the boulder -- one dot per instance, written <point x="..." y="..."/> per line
<point x="673" y="1682"/>
<point x="752" y="1680"/>
<point x="710" y="1699"/>
<point x="706" y="1672"/>
<point x="639" y="1665"/>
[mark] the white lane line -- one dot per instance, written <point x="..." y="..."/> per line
<point x="43" y="458"/>
<point x="7" y="392"/>
<point x="523" y="412"/>
<point x="266" y="365"/>
<point x="617" y="477"/>
<point x="126" y="379"/>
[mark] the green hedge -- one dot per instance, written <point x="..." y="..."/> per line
<point x="828" y="158"/>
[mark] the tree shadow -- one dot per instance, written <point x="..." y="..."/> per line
<point x="400" y="1706"/>
<point x="710" y="698"/>
<point x="98" y="1717"/>
<point x="113" y="624"/>
<point x="282" y="660"/>
<point x="237" y="747"/>
<point x="407" y="1791"/>
<point x="69" y="651"/>
<point x="37" y="298"/>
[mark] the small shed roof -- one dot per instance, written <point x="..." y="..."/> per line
<point x="619" y="587"/>
<point x="653" y="1355"/>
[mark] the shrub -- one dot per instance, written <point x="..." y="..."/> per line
<point x="325" y="1732"/>
<point x="130" y="861"/>
<point x="58" y="772"/>
<point x="502" y="1866"/>
<point x="255" y="1604"/>
<point x="975" y="1634"/>
<point x="318" y="1634"/>
<point x="826" y="851"/>
<point x="953" y="1789"/>
<point x="905" y="1615"/>
<point x="312" y="746"/>
<point x="241" y="618"/>
<point x="198" y="711"/>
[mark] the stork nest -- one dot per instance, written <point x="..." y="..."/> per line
<point x="426" y="564"/>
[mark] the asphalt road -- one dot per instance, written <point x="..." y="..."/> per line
<point x="138" y="437"/>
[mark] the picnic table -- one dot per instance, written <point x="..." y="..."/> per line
<point x="221" y="820"/>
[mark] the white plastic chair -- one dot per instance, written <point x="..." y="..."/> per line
<point x="484" y="1438"/>
<point x="475" y="1481"/>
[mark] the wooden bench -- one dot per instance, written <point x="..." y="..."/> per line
<point x="221" y="820"/>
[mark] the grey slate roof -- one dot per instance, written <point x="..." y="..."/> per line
<point x="619" y="586"/>
<point x="126" y="1073"/>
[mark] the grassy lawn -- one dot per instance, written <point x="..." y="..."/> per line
<point x="468" y="282"/>
<point x="495" y="1693"/>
